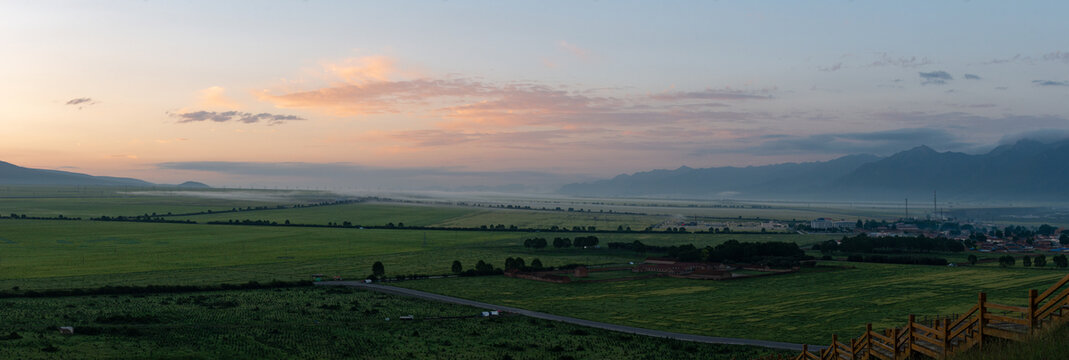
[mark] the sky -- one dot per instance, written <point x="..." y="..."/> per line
<point x="445" y="94"/>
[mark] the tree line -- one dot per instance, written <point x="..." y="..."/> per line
<point x="559" y="242"/>
<point x="1040" y="260"/>
<point x="152" y="289"/>
<point x="15" y="216"/>
<point x="862" y="243"/>
<point x="905" y="260"/>
<point x="772" y="253"/>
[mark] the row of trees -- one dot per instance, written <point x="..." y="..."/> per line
<point x="152" y="289"/>
<point x="519" y="264"/>
<point x="580" y="241"/>
<point x="481" y="268"/>
<point x="23" y="216"/>
<point x="1038" y="261"/>
<point x="862" y="243"/>
<point x="770" y="253"/>
<point x="908" y="260"/>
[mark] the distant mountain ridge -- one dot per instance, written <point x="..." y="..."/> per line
<point x="723" y="180"/>
<point x="11" y="174"/>
<point x="1025" y="170"/>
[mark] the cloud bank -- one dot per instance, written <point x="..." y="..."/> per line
<point x="935" y="77"/>
<point x="1050" y="83"/>
<point x="236" y="116"/>
<point x="81" y="102"/>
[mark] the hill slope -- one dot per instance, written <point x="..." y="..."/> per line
<point x="11" y="174"/>
<point x="1026" y="170"/>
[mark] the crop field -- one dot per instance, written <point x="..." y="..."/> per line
<point x="718" y="209"/>
<point x="35" y="252"/>
<point x="806" y="307"/>
<point x="321" y="323"/>
<point x="46" y="254"/>
<point x="380" y="214"/>
<point x="539" y="219"/>
<point x="371" y="214"/>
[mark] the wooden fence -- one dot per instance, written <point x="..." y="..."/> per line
<point x="940" y="337"/>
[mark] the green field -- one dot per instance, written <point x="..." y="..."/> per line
<point x="44" y="254"/>
<point x="368" y="214"/>
<point x="806" y="307"/>
<point x="320" y="323"/>
<point x="380" y="214"/>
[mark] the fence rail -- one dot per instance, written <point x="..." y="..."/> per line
<point x="939" y="337"/>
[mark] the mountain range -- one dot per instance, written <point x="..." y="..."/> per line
<point x="1025" y="170"/>
<point x="11" y="174"/>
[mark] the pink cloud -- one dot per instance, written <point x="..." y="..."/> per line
<point x="579" y="52"/>
<point x="215" y="97"/>
<point x="475" y="118"/>
<point x="376" y="97"/>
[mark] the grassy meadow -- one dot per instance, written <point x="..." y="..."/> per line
<point x="307" y="322"/>
<point x="47" y="254"/>
<point x="805" y="307"/>
<point x="370" y="214"/>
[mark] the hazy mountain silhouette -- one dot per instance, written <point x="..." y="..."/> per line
<point x="725" y="181"/>
<point x="193" y="185"/>
<point x="11" y="174"/>
<point x="1025" y="170"/>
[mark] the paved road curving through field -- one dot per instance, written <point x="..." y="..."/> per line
<point x="594" y="324"/>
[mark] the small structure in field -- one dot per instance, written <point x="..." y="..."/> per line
<point x="693" y="270"/>
<point x="671" y="266"/>
<point x="581" y="271"/>
<point x="538" y="276"/>
<point x="66" y="330"/>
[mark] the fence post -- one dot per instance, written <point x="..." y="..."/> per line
<point x="981" y="312"/>
<point x="868" y="341"/>
<point x="1032" y="321"/>
<point x="805" y="352"/>
<point x="894" y="341"/>
<point x="909" y="336"/>
<point x="946" y="338"/>
<point x="834" y="351"/>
